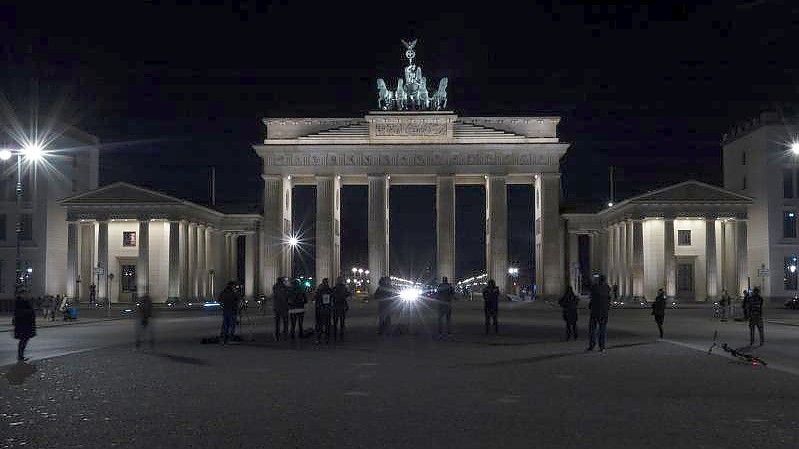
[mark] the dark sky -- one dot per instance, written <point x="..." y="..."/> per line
<point x="172" y="90"/>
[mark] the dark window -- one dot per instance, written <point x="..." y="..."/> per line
<point x="129" y="238"/>
<point x="2" y="226"/>
<point x="743" y="157"/>
<point x="684" y="237"/>
<point x="789" y="224"/>
<point x="26" y="227"/>
<point x="790" y="276"/>
<point x="787" y="183"/>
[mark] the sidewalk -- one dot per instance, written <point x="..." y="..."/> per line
<point x="5" y="321"/>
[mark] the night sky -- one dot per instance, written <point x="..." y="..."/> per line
<point x="173" y="90"/>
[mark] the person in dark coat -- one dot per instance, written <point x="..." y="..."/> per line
<point x="229" y="300"/>
<point x="745" y="304"/>
<point x="144" y="323"/>
<point x="491" y="305"/>
<point x="659" y="310"/>
<point x="323" y="302"/>
<point x="24" y="322"/>
<point x="755" y="314"/>
<point x="297" y="301"/>
<point x="568" y="302"/>
<point x="444" y="294"/>
<point x="599" y="307"/>
<point x="341" y="305"/>
<point x="384" y="295"/>
<point x="280" y="306"/>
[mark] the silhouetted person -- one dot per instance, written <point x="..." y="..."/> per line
<point x="568" y="302"/>
<point x="615" y="291"/>
<point x="24" y="321"/>
<point x="755" y="306"/>
<point x="280" y="306"/>
<point x="229" y="300"/>
<point x="745" y="304"/>
<point x="445" y="294"/>
<point x="144" y="322"/>
<point x="323" y="305"/>
<point x="47" y="307"/>
<point x="92" y="294"/>
<point x="491" y="305"/>
<point x="725" y="302"/>
<point x="297" y="300"/>
<point x="599" y="307"/>
<point x="384" y="295"/>
<point x="341" y="305"/>
<point x="55" y="305"/>
<point x="659" y="310"/>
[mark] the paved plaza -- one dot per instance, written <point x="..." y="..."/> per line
<point x="87" y="387"/>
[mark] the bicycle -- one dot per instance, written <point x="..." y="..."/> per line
<point x="740" y="355"/>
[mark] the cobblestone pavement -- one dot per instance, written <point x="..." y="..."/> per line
<point x="523" y="388"/>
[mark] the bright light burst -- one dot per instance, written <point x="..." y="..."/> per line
<point x="795" y="147"/>
<point x="410" y="294"/>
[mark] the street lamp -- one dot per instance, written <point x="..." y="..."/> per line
<point x="32" y="152"/>
<point x="795" y="147"/>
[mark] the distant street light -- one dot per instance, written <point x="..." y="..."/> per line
<point x="294" y="241"/>
<point x="795" y="147"/>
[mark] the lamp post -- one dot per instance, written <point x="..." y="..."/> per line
<point x="32" y="152"/>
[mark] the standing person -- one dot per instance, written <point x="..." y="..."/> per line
<point x="55" y="305"/>
<point x="297" y="300"/>
<point x="280" y="306"/>
<point x="755" y="306"/>
<point x="47" y="306"/>
<point x="230" y="304"/>
<point x="745" y="304"/>
<point x="659" y="309"/>
<point x="323" y="302"/>
<point x="24" y="322"/>
<point x="615" y="292"/>
<point x="491" y="305"/>
<point x="144" y="323"/>
<point x="92" y="294"/>
<point x="445" y="294"/>
<point x="599" y="307"/>
<point x="724" y="303"/>
<point x="384" y="296"/>
<point x="568" y="302"/>
<point x="341" y="305"/>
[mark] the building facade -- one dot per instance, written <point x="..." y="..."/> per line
<point x="69" y="166"/>
<point x="129" y="241"/>
<point x="689" y="239"/>
<point x="758" y="162"/>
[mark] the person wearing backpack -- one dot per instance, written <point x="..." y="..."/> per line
<point x="341" y="305"/>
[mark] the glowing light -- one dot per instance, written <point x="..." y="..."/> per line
<point x="33" y="152"/>
<point x="294" y="241"/>
<point x="366" y="272"/>
<point x="795" y="148"/>
<point x="30" y="270"/>
<point x="5" y="154"/>
<point x="792" y="268"/>
<point x="410" y="294"/>
<point x="360" y="270"/>
<point x="513" y="271"/>
<point x="610" y="204"/>
<point x="354" y="270"/>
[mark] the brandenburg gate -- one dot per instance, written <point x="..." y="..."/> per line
<point x="410" y="140"/>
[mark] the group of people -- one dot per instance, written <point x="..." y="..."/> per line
<point x="599" y="307"/>
<point x="330" y="309"/>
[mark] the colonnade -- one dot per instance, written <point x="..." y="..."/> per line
<point x="197" y="259"/>
<point x="277" y="226"/>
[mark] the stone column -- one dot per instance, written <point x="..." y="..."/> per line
<point x="250" y="248"/>
<point x="669" y="274"/>
<point x="549" y="269"/>
<point x="378" y="229"/>
<point x="102" y="258"/>
<point x="638" y="258"/>
<point x="184" y="260"/>
<point x="742" y="259"/>
<point x="276" y="226"/>
<point x="192" y="260"/>
<point x="233" y="258"/>
<point x="574" y="261"/>
<point x="630" y="257"/>
<point x="86" y="264"/>
<point x="445" y="226"/>
<point x="328" y="221"/>
<point x="613" y="267"/>
<point x="174" y="260"/>
<point x="202" y="272"/>
<point x="624" y="285"/>
<point x="209" y="260"/>
<point x="609" y="255"/>
<point x="143" y="261"/>
<point x="497" y="231"/>
<point x="73" y="258"/>
<point x="710" y="258"/>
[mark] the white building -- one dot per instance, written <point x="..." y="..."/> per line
<point x="689" y="239"/>
<point x="70" y="167"/>
<point x="131" y="241"/>
<point x="757" y="162"/>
